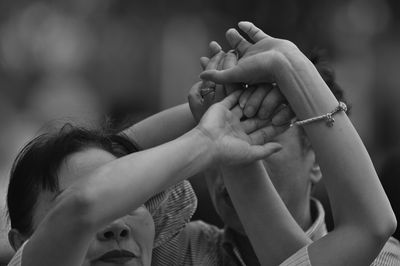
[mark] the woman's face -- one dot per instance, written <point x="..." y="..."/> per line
<point x="127" y="241"/>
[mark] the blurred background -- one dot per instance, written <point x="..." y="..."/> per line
<point x="86" y="60"/>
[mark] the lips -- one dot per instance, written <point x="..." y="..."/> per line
<point x="117" y="256"/>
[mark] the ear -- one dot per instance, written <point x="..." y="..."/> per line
<point x="315" y="171"/>
<point x="16" y="239"/>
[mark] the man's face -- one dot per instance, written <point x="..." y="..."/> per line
<point x="290" y="170"/>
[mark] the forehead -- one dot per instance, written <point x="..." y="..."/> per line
<point x="80" y="164"/>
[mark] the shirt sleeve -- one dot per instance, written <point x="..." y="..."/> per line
<point x="389" y="255"/>
<point x="17" y="259"/>
<point x="300" y="258"/>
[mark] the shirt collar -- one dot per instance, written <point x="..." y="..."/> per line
<point x="318" y="227"/>
<point x="314" y="232"/>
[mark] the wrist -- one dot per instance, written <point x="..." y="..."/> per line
<point x="206" y="145"/>
<point x="303" y="87"/>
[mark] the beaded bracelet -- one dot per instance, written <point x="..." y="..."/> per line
<point x="327" y="117"/>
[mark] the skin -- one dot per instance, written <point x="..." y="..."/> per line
<point x="350" y="177"/>
<point x="93" y="202"/>
<point x="292" y="181"/>
<point x="133" y="232"/>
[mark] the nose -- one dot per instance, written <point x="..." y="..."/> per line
<point x="117" y="230"/>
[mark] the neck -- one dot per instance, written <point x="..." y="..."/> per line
<point x="304" y="219"/>
<point x="242" y="242"/>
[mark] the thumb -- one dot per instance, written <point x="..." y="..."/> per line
<point x="230" y="75"/>
<point x="258" y="152"/>
<point x="194" y="98"/>
<point x="231" y="100"/>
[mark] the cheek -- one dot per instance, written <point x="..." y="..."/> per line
<point x="142" y="225"/>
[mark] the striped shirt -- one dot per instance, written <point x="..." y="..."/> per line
<point x="179" y="242"/>
<point x="203" y="244"/>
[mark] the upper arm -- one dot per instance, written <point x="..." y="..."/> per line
<point x="162" y="127"/>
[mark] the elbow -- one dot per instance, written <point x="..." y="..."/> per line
<point x="385" y="228"/>
<point x="391" y="226"/>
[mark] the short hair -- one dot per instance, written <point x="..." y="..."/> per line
<point x="36" y="167"/>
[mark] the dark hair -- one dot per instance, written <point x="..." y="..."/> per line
<point x="36" y="167"/>
<point x="327" y="73"/>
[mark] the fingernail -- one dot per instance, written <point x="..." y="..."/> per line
<point x="277" y="147"/>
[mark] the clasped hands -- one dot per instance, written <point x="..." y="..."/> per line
<point x="259" y="111"/>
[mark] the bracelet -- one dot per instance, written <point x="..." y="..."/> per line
<point x="327" y="117"/>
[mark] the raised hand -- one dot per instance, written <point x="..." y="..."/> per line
<point x="271" y="53"/>
<point x="238" y="142"/>
<point x="203" y="94"/>
<point x="266" y="102"/>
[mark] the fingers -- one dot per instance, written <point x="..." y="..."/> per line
<point x="213" y="65"/>
<point x="204" y="62"/>
<point x="266" y="134"/>
<point x="215" y="48"/>
<point x="194" y="93"/>
<point x="222" y="76"/>
<point x="254" y="33"/>
<point x="231" y="100"/>
<point x="259" y="152"/>
<point x="230" y="61"/>
<point x="237" y="42"/>
<point x="219" y="93"/>
<point x="252" y="124"/>
<point x="254" y="101"/>
<point x="246" y="95"/>
<point x="215" y="60"/>
<point x="251" y="70"/>
<point x="284" y="116"/>
<point x="237" y="111"/>
<point x="273" y="99"/>
<point x="196" y="101"/>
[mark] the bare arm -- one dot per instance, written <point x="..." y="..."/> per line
<point x="162" y="127"/>
<point x="267" y="222"/>
<point x="95" y="201"/>
<point x="252" y="193"/>
<point x="168" y="124"/>
<point x="362" y="213"/>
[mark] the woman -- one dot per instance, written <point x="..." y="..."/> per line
<point x="79" y="190"/>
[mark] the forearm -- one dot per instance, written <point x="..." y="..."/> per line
<point x="267" y="222"/>
<point x="111" y="192"/>
<point x="140" y="175"/>
<point x="162" y="127"/>
<point x="361" y="210"/>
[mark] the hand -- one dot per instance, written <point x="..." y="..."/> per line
<point x="260" y="62"/>
<point x="237" y="142"/>
<point x="200" y="103"/>
<point x="267" y="102"/>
